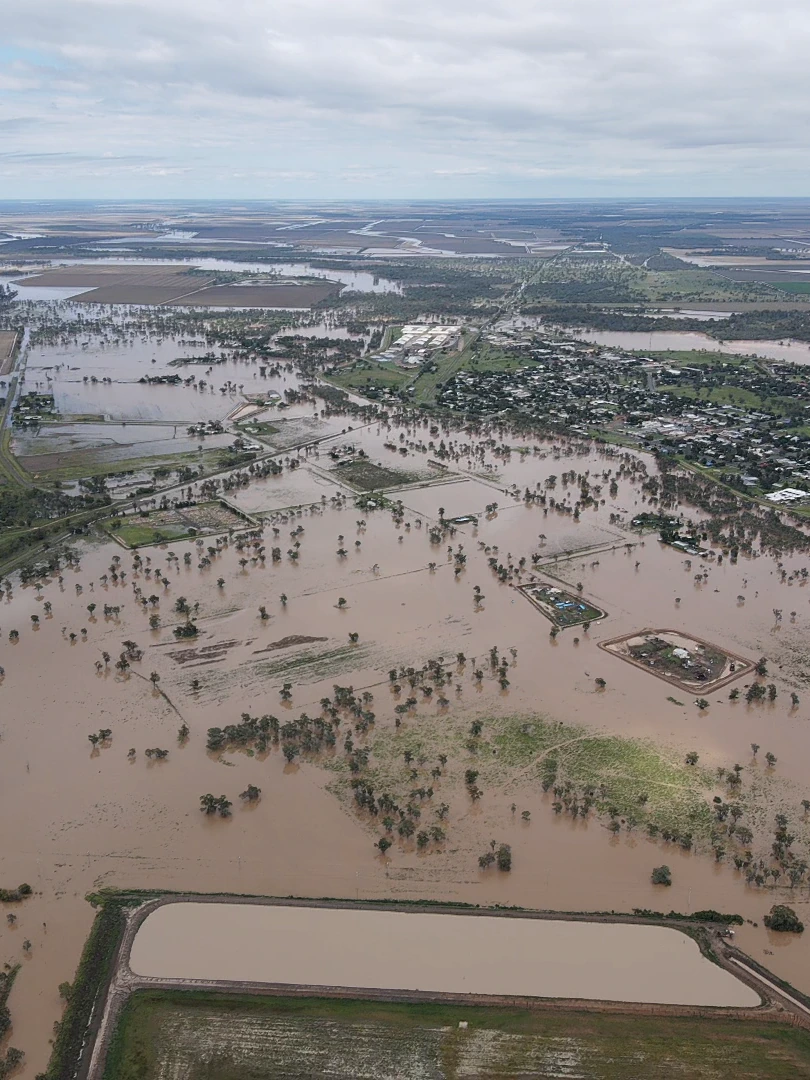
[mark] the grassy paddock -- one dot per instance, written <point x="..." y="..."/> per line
<point x="192" y="1035"/>
<point x="139" y="535"/>
<point x="639" y="781"/>
<point x="365" y="373"/>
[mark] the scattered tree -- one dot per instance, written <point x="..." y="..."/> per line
<point x="661" y="875"/>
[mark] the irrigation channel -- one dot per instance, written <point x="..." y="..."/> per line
<point x="412" y="953"/>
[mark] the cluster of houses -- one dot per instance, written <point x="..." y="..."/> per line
<point x="32" y="409"/>
<point x="590" y="390"/>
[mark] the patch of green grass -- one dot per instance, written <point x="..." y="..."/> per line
<point x="793" y="286"/>
<point x="367" y="373"/>
<point x="486" y="357"/>
<point x="139" y="535"/>
<point x="719" y="395"/>
<point x="447" y="365"/>
<point x="695" y="285"/>
<point x="639" y="781"/>
<point x="734" y="395"/>
<point x="191" y="1035"/>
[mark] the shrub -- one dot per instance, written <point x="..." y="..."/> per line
<point x="661" y="875"/>
<point x="504" y="857"/>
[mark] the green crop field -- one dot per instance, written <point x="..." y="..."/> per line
<point x="793" y="286"/>
<point x="191" y="1035"/>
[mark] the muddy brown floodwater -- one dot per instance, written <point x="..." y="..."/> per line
<point x="73" y="819"/>
<point x="455" y="954"/>
<point x="795" y="352"/>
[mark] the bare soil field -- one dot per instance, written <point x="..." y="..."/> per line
<point x="147" y="295"/>
<point x="259" y="296"/>
<point x="198" y="1036"/>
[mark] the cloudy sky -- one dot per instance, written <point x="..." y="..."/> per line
<point x="387" y="98"/>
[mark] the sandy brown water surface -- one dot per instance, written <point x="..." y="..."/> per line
<point x="392" y="950"/>
<point x="795" y="352"/>
<point x="73" y="818"/>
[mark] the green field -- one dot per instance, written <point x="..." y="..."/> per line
<point x="629" y="779"/>
<point x="447" y="365"/>
<point x="486" y="357"/>
<point x="138" y="535"/>
<point x="191" y="1035"/>
<point x="734" y="395"/>
<point x="367" y="373"/>
<point x="793" y="286"/>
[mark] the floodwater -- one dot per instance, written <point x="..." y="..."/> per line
<point x="354" y="280"/>
<point x="796" y="352"/>
<point x="73" y="819"/>
<point x="133" y="401"/>
<point x="62" y="368"/>
<point x="40" y="292"/>
<point x="116" y="442"/>
<point x="440" y="953"/>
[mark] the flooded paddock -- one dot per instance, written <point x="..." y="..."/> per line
<point x="110" y="442"/>
<point x="354" y="280"/>
<point x="432" y="953"/>
<point x="795" y="352"/>
<point x="75" y="371"/>
<point x="95" y="817"/>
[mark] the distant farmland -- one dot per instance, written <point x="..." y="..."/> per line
<point x="117" y="284"/>
<point x="259" y="296"/>
<point x="180" y="286"/>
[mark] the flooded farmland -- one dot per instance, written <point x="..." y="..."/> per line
<point x="100" y="377"/>
<point x="431" y="953"/>
<point x="795" y="352"/>
<point x="107" y="443"/>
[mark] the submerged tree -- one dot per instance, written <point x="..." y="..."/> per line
<point x="784" y="920"/>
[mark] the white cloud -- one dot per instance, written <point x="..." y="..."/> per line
<point x="373" y="97"/>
